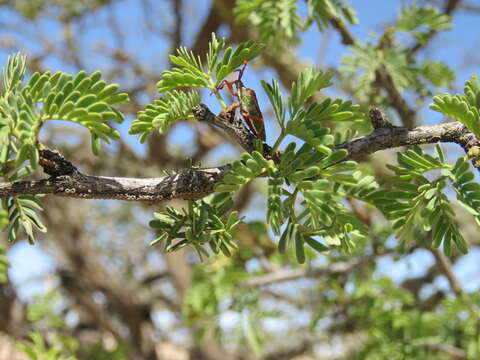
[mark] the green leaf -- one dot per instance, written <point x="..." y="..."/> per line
<point x="13" y="72"/>
<point x="275" y="211"/>
<point x="314" y="244"/>
<point x="322" y="12"/>
<point x="414" y="20"/>
<point x="463" y="108"/>
<point x="437" y="73"/>
<point x="276" y="100"/>
<point x="309" y="82"/>
<point x="23" y="210"/>
<point x="231" y="60"/>
<point x="276" y="20"/>
<point x="173" y="106"/>
<point x="299" y="250"/>
<point x="242" y="172"/>
<point x="215" y="46"/>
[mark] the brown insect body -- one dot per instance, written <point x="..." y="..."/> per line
<point x="250" y="110"/>
<point x="248" y="103"/>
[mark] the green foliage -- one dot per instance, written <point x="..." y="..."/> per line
<point x="413" y="202"/>
<point x="4" y="264"/>
<point x="50" y="339"/>
<point x="215" y="284"/>
<point x="316" y="170"/>
<point x="309" y="82"/>
<point x="86" y="100"/>
<point x="212" y="283"/>
<point x="362" y="65"/>
<point x="39" y="349"/>
<point x="275" y="97"/>
<point x="191" y="72"/>
<point x="275" y="216"/>
<point x="22" y="212"/>
<point x="306" y="124"/>
<point x="396" y="329"/>
<point x="243" y="171"/>
<point x="316" y="176"/>
<point x="33" y="9"/>
<point x="43" y="310"/>
<point x="312" y="185"/>
<point x="279" y="23"/>
<point x="436" y="73"/>
<point x="463" y="108"/>
<point x="419" y="21"/>
<point x="467" y="190"/>
<point x="406" y="72"/>
<point x="205" y="222"/>
<point x="322" y="12"/>
<point x="24" y="108"/>
<point x="190" y="69"/>
<point x="83" y="99"/>
<point x="276" y="20"/>
<point x="97" y="352"/>
<point x="163" y="112"/>
<point x="232" y="59"/>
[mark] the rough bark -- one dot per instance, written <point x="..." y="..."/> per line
<point x="195" y="183"/>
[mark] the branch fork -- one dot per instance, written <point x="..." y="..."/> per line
<point x="194" y="183"/>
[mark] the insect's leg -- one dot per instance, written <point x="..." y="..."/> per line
<point x="255" y="124"/>
<point x="220" y="87"/>
<point x="229" y="110"/>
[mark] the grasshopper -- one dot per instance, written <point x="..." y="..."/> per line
<point x="248" y="104"/>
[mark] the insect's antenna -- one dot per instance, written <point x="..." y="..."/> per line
<point x="240" y="72"/>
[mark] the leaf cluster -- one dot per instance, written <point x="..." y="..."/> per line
<point x="26" y="104"/>
<point x="413" y="202"/>
<point x="204" y="222"/>
<point x="407" y="72"/>
<point x="190" y="71"/>
<point x="164" y="112"/>
<point x="420" y="21"/>
<point x="322" y="11"/>
<point x="463" y="108"/>
<point x="396" y="329"/>
<point x="278" y="21"/>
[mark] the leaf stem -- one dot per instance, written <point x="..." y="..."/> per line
<point x="217" y="94"/>
<point x="278" y="142"/>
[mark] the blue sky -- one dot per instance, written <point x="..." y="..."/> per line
<point x="458" y="48"/>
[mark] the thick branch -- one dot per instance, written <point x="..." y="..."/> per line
<point x="229" y="123"/>
<point x="195" y="183"/>
<point x="394" y="136"/>
<point x="187" y="184"/>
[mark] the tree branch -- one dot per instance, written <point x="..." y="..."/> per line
<point x="389" y="137"/>
<point x="449" y="8"/>
<point x="195" y="183"/>
<point x="452" y="351"/>
<point x="293" y="274"/>
<point x="446" y="266"/>
<point x="383" y="77"/>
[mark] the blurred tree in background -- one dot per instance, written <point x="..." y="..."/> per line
<point x="375" y="286"/>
